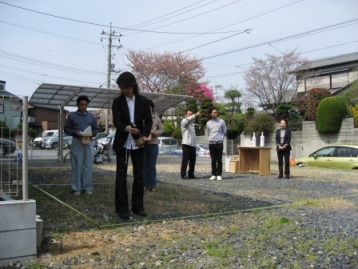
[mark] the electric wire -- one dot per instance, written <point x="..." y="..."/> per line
<point x="36" y="73"/>
<point x="286" y="38"/>
<point x="47" y="64"/>
<point x="48" y="33"/>
<point x="103" y="25"/>
<point x="168" y="14"/>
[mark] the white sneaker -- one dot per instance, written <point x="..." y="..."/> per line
<point x="219" y="178"/>
<point x="212" y="178"/>
<point x="77" y="193"/>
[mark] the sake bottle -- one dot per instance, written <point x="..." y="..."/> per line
<point x="262" y="140"/>
<point x="138" y="139"/>
<point x="254" y="140"/>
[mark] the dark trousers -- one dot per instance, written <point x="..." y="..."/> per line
<point x="189" y="156"/>
<point x="121" y="193"/>
<point x="216" y="154"/>
<point x="283" y="155"/>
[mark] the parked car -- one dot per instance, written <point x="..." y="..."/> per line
<point x="332" y="156"/>
<point x="6" y="147"/>
<point x="201" y="151"/>
<point x="167" y="145"/>
<point x="38" y="140"/>
<point x="109" y="137"/>
<point x="101" y="135"/>
<point x="50" y="140"/>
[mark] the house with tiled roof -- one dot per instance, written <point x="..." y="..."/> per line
<point x="10" y="107"/>
<point x="40" y="117"/>
<point x="334" y="73"/>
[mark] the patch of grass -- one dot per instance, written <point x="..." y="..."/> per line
<point x="324" y="204"/>
<point x="36" y="265"/>
<point x="84" y="211"/>
<point x="214" y="248"/>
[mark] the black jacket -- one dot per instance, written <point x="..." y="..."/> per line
<point x="121" y="119"/>
<point x="286" y="140"/>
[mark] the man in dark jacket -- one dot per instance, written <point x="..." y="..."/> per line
<point x="131" y="115"/>
<point x="283" y="147"/>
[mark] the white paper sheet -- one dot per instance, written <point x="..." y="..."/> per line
<point x="87" y="131"/>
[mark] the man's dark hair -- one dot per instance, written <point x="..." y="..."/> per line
<point x="213" y="108"/>
<point x="127" y="80"/>
<point x="151" y="104"/>
<point x="81" y="98"/>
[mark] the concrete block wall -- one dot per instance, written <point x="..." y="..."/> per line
<point x="17" y="231"/>
<point x="308" y="139"/>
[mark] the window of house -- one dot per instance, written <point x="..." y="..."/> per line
<point x="1" y="108"/>
<point x="317" y="82"/>
<point x="339" y="80"/>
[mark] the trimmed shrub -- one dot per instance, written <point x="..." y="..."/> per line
<point x="330" y="113"/>
<point x="260" y="123"/>
<point x="177" y="133"/>
<point x="283" y="111"/>
<point x="168" y="128"/>
<point x="232" y="132"/>
<point x="314" y="97"/>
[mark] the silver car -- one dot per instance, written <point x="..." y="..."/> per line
<point x="50" y="140"/>
<point x="167" y="145"/>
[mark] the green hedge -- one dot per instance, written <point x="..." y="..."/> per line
<point x="330" y="113"/>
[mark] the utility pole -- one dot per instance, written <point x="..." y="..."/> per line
<point x="110" y="68"/>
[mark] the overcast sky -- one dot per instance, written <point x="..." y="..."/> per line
<point x="60" y="41"/>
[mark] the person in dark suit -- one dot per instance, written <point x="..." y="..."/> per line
<point x="283" y="147"/>
<point x="131" y="115"/>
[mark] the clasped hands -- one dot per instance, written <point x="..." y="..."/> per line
<point x="282" y="147"/>
<point x="133" y="130"/>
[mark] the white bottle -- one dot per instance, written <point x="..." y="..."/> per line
<point x="262" y="140"/>
<point x="254" y="140"/>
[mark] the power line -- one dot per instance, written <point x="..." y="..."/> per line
<point x="48" y="33"/>
<point x="40" y="74"/>
<point x="212" y="10"/>
<point x="237" y="22"/>
<point x="168" y="14"/>
<point x="102" y="25"/>
<point x="284" y="38"/>
<point x="47" y="64"/>
<point x="308" y="51"/>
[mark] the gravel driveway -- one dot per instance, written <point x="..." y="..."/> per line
<point x="312" y="223"/>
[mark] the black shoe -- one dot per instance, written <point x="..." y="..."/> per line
<point x="123" y="215"/>
<point x="140" y="213"/>
<point x="287" y="177"/>
<point x="184" y="177"/>
<point x="280" y="176"/>
<point x="192" y="177"/>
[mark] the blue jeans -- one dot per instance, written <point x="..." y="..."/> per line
<point x="149" y="169"/>
<point x="81" y="165"/>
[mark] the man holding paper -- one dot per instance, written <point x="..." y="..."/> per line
<point x="82" y="126"/>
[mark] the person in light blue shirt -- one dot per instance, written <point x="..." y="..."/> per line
<point x="216" y="130"/>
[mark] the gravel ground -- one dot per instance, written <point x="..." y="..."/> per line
<point x="312" y="223"/>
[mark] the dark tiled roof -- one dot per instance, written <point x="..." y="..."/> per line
<point x="7" y="94"/>
<point x="47" y="106"/>
<point x="345" y="58"/>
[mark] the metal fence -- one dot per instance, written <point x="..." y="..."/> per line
<point x="12" y="111"/>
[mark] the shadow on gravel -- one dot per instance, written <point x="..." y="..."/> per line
<point x="73" y="213"/>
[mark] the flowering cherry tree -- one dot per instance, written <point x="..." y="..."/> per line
<point x="167" y="72"/>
